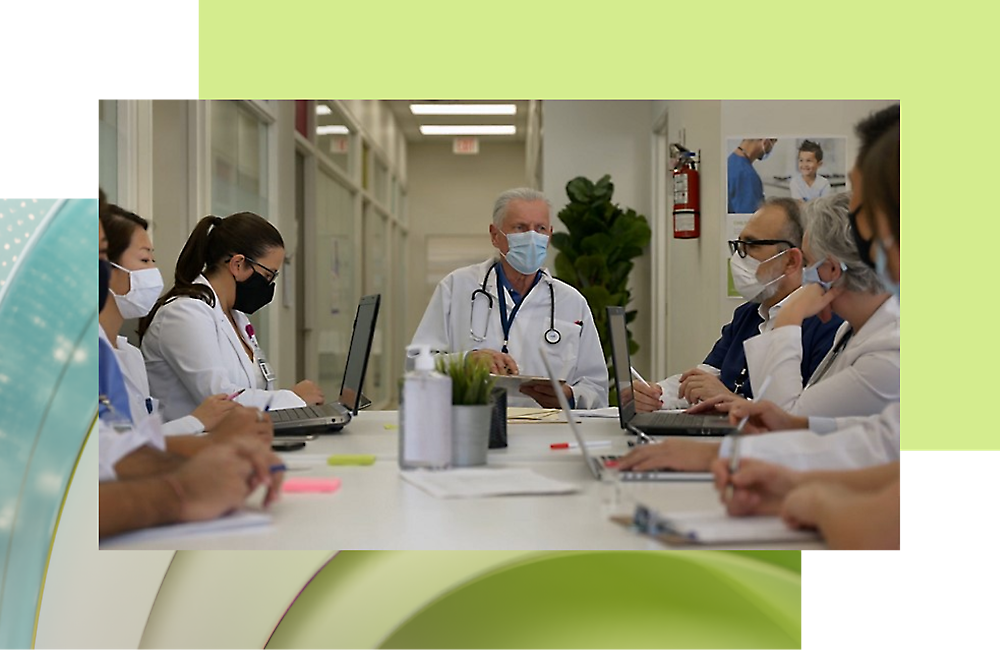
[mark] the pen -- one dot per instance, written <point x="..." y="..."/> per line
<point x="267" y="407"/>
<point x="236" y="394"/>
<point x="636" y="375"/>
<point x="734" y="457"/>
<point x="280" y="467"/>
<point x="574" y="445"/>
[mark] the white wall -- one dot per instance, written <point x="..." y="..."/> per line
<point x="452" y="195"/>
<point x="594" y="138"/>
<point x="695" y="268"/>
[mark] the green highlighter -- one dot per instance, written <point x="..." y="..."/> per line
<point x="351" y="459"/>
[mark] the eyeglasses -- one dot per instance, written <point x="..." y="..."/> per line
<point x="740" y="245"/>
<point x="274" y="274"/>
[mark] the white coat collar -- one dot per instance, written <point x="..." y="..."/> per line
<point x="484" y="268"/>
<point x="241" y="322"/>
<point x="886" y="317"/>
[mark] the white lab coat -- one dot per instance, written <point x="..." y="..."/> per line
<point x="869" y="441"/>
<point x="192" y="352"/>
<point x="133" y="368"/>
<point x="863" y="379"/>
<point x="576" y="358"/>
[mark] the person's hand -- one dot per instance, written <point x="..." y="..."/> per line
<point x="764" y="416"/>
<point x="309" y="392"/>
<point x="647" y="396"/>
<point x="218" y="479"/>
<point x="718" y="404"/>
<point x="677" y="454"/>
<point x="808" y="300"/>
<point x="698" y="385"/>
<point x="803" y="507"/>
<point x="498" y="362"/>
<point x="244" y="422"/>
<point x="213" y="409"/>
<point x="543" y="393"/>
<point x="758" y="487"/>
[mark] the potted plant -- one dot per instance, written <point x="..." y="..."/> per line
<point x="596" y="253"/>
<point x="471" y="386"/>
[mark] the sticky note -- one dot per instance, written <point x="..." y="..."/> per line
<point x="311" y="485"/>
<point x="351" y="459"/>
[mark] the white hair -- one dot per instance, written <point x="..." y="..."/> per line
<point x="830" y="236"/>
<point x="517" y="194"/>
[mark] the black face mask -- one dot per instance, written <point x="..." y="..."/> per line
<point x="253" y="293"/>
<point x="864" y="245"/>
<point x="104" y="277"/>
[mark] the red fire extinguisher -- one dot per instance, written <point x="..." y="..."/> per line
<point x="687" y="202"/>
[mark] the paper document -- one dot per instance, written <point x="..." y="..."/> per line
<point x="240" y="521"/>
<point x="484" y="482"/>
<point x="528" y="414"/>
<point x="716" y="527"/>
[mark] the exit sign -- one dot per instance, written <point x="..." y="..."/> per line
<point x="465" y="146"/>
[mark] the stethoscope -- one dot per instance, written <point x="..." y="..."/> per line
<point x="552" y="335"/>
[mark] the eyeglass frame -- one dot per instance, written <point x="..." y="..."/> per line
<point x="734" y="245"/>
<point x="253" y="262"/>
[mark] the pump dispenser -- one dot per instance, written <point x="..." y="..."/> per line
<point x="425" y="415"/>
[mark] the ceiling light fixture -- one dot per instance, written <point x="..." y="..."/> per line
<point x="463" y="109"/>
<point x="323" y="109"/>
<point x="468" y="129"/>
<point x="332" y="129"/>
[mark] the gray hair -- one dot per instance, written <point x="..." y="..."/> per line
<point x="516" y="194"/>
<point x="830" y="236"/>
<point x="792" y="230"/>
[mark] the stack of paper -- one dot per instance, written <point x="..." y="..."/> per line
<point x="236" y="522"/>
<point x="485" y="482"/>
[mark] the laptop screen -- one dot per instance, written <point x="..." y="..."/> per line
<point x="621" y="364"/>
<point x="357" y="355"/>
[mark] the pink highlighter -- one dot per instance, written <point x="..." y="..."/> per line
<point x="299" y="485"/>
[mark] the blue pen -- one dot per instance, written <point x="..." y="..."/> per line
<point x="280" y="467"/>
<point x="268" y="406"/>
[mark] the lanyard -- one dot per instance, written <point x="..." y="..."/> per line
<point x="504" y="322"/>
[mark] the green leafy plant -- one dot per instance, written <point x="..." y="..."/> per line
<point x="471" y="382"/>
<point x="596" y="255"/>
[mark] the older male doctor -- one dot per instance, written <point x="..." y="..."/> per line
<point x="509" y="311"/>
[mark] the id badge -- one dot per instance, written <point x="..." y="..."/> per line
<point x="265" y="368"/>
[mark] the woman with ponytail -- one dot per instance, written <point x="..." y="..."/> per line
<point x="197" y="339"/>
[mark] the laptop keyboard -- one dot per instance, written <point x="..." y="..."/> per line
<point x="304" y="413"/>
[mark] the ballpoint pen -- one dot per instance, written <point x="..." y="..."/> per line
<point x="734" y="456"/>
<point x="235" y="395"/>
<point x="636" y="375"/>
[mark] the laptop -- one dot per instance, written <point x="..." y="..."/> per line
<point x="332" y="416"/>
<point x="596" y="463"/>
<point x="658" y="423"/>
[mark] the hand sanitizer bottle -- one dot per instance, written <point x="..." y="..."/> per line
<point x="425" y="416"/>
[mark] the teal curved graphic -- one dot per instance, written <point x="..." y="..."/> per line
<point x="48" y="369"/>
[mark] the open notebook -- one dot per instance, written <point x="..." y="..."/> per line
<point x="713" y="527"/>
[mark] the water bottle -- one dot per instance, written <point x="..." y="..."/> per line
<point x="425" y="415"/>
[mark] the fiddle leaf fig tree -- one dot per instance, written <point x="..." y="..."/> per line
<point x="596" y="255"/>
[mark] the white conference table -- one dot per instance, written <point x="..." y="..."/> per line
<point x="376" y="509"/>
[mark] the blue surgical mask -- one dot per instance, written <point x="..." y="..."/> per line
<point x="527" y="250"/>
<point x="810" y="275"/>
<point x="882" y="271"/>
